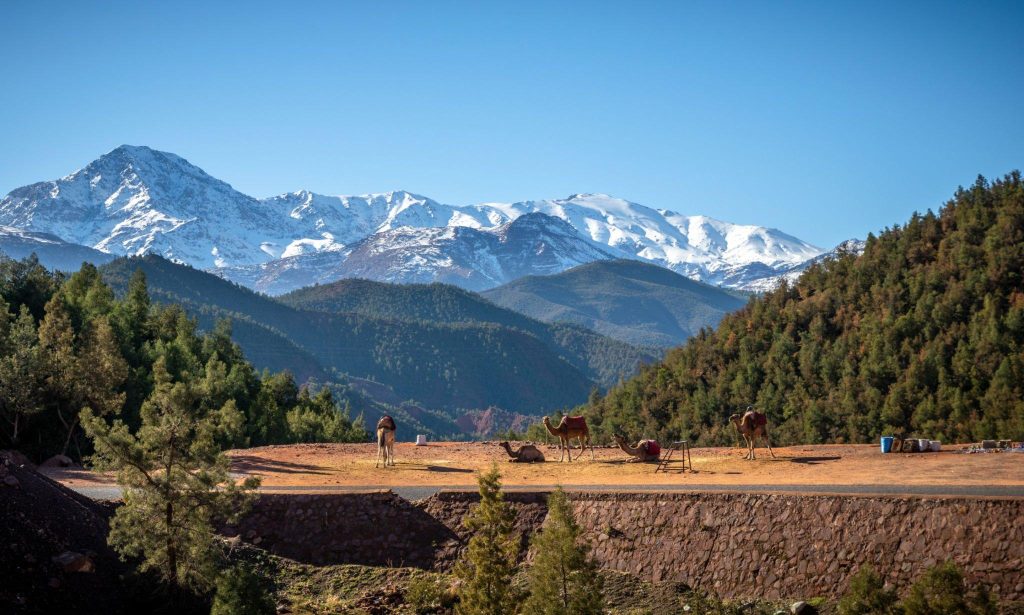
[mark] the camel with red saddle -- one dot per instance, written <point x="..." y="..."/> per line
<point x="752" y="425"/>
<point x="571" y="427"/>
<point x="645" y="450"/>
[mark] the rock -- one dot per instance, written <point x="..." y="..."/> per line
<point x="11" y="481"/>
<point x="53" y="583"/>
<point x="57" y="461"/>
<point x="70" y="561"/>
<point x="802" y="608"/>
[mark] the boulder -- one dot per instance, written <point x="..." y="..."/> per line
<point x="802" y="608"/>
<point x="57" y="461"/>
<point x="71" y="561"/>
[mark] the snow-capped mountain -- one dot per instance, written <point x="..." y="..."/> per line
<point x="52" y="251"/>
<point x="136" y="200"/>
<point x="475" y="259"/>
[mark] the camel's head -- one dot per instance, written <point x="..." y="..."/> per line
<point x="546" y="421"/>
<point x="503" y="445"/>
<point x="619" y="438"/>
<point x="735" y="419"/>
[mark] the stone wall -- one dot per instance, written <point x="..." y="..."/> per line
<point x="731" y="544"/>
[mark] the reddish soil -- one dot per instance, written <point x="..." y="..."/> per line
<point x="457" y="463"/>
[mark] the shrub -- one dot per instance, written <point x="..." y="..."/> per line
<point x="427" y="594"/>
<point x="240" y="592"/>
<point x="868" y="595"/>
<point x="941" y="589"/>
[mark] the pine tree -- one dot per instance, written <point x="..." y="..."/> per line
<point x="488" y="566"/>
<point x="175" y="481"/>
<point x="20" y="384"/>
<point x="563" y="580"/>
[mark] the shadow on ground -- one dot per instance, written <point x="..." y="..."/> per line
<point x="251" y="464"/>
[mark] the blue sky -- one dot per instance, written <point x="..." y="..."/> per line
<point x="822" y="119"/>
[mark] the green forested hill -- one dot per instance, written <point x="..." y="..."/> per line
<point x="922" y="334"/>
<point x="470" y="365"/>
<point x="603" y="359"/>
<point x="636" y="302"/>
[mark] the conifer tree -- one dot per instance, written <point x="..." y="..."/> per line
<point x="488" y="566"/>
<point x="175" y="481"/>
<point x="20" y="384"/>
<point x="563" y="580"/>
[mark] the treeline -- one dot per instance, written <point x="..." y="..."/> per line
<point x="67" y="343"/>
<point x="922" y="334"/>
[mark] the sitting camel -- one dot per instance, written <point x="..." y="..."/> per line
<point x="527" y="453"/>
<point x="386" y="429"/>
<point x="571" y="427"/>
<point x="752" y="425"/>
<point x="645" y="450"/>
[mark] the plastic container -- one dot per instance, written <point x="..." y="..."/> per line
<point x="421" y="440"/>
<point x="924" y="445"/>
<point x="887" y="444"/>
<point x="936" y="446"/>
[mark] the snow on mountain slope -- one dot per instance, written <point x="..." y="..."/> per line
<point x="136" y="200"/>
<point x="476" y="259"/>
<point x="52" y="251"/>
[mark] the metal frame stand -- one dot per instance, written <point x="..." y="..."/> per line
<point x="684" y="451"/>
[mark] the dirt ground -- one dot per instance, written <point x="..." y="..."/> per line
<point x="457" y="463"/>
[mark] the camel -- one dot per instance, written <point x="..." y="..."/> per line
<point x="386" y="429"/>
<point x="527" y="453"/>
<point x="643" y="451"/>
<point x="752" y="425"/>
<point x="571" y="427"/>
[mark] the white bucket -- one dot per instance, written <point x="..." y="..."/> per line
<point x="421" y="440"/>
<point x="935" y="445"/>
<point x="924" y="445"/>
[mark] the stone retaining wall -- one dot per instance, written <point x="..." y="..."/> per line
<point x="730" y="544"/>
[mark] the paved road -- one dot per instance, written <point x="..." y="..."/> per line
<point x="419" y="492"/>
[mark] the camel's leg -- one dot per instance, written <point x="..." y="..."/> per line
<point x="768" y="441"/>
<point x="568" y="449"/>
<point x="750" y="446"/>
<point x="561" y="451"/>
<point x="377" y="464"/>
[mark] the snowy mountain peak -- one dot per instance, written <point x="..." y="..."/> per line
<point x="136" y="200"/>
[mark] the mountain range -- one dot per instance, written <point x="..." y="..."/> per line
<point x="135" y="200"/>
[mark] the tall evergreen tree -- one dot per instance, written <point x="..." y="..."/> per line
<point x="175" y="480"/>
<point x="20" y="383"/>
<point x="563" y="580"/>
<point x="489" y="564"/>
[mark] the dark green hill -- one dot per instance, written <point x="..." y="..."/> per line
<point x="602" y="359"/>
<point x="923" y="334"/>
<point x="636" y="302"/>
<point x="442" y="366"/>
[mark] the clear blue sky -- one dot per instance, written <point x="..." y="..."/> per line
<point x="823" y="120"/>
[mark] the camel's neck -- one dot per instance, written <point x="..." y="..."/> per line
<point x="625" y="447"/>
<point x="552" y="430"/>
<point x="508" y="449"/>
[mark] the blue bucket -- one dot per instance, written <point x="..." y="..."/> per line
<point x="887" y="444"/>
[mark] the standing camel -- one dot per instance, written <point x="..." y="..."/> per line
<point x="645" y="450"/>
<point x="386" y="429"/>
<point x="752" y="425"/>
<point x="527" y="453"/>
<point x="571" y="427"/>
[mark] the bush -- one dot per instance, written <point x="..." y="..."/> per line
<point x="240" y="592"/>
<point x="427" y="594"/>
<point x="941" y="589"/>
<point x="867" y="595"/>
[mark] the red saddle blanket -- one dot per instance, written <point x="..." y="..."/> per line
<point x="651" y="447"/>
<point x="575" y="422"/>
<point x="760" y="419"/>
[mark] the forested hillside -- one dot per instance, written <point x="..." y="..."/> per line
<point x="922" y="334"/>
<point x="628" y="300"/>
<point x="68" y="343"/>
<point x="603" y="359"/>
<point x="453" y="366"/>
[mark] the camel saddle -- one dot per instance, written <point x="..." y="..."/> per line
<point x="386" y="422"/>
<point x="760" y="419"/>
<point x="650" y="448"/>
<point x="575" y="423"/>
